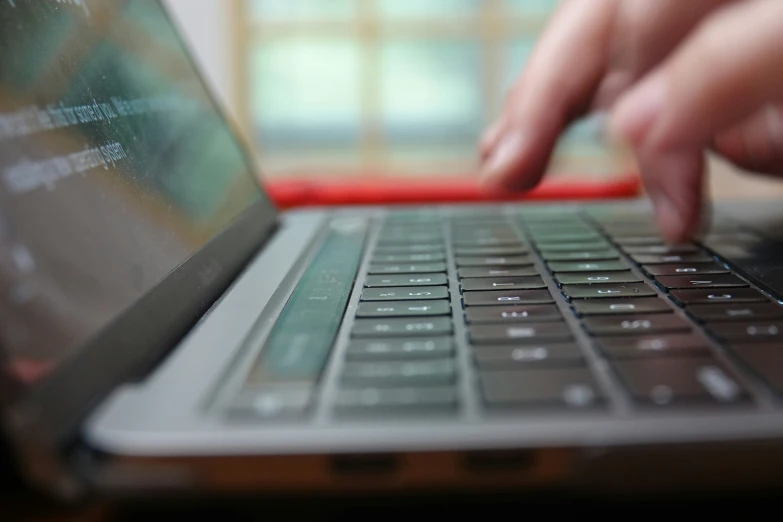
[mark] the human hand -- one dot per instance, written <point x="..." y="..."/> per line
<point x="679" y="78"/>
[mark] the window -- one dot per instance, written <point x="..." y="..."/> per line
<point x="383" y="86"/>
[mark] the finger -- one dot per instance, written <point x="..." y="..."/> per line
<point x="721" y="75"/>
<point x="757" y="144"/>
<point x="559" y="80"/>
<point x="677" y="197"/>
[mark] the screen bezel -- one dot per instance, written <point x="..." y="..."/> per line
<point x="143" y="334"/>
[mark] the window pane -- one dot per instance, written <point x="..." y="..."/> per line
<point x="306" y="91"/>
<point x="303" y="9"/>
<point x="430" y="90"/>
<point x="427" y="8"/>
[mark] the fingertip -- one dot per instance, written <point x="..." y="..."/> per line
<point x="636" y="112"/>
<point x="501" y="163"/>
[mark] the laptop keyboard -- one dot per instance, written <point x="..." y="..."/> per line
<point x="536" y="302"/>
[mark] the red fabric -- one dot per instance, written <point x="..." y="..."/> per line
<point x="302" y="192"/>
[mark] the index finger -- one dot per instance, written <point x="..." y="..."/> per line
<point x="559" y="80"/>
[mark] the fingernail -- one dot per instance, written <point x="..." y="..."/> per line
<point x="503" y="156"/>
<point x="637" y="111"/>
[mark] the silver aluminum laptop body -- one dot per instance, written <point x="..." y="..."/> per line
<point x="159" y="339"/>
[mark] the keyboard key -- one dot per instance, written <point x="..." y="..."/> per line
<point x="654" y="259"/>
<point x="403" y="309"/>
<point x="509" y="357"/>
<point x="411" y="293"/>
<point x="604" y="255"/>
<point x="380" y="281"/>
<point x="637" y="325"/>
<point x="590" y="278"/>
<point x="501" y="298"/>
<point x="512" y="314"/>
<point x="400" y="374"/>
<point x="400" y="349"/>
<point x="563" y="236"/>
<point x="494" y="261"/>
<point x="608" y="291"/>
<point x="491" y="251"/>
<point x="684" y="269"/>
<point x="519" y="333"/>
<point x="747" y="332"/>
<point x="662" y="382"/>
<point x="411" y="249"/>
<point x="663" y="250"/>
<point x="567" y="387"/>
<point x="734" y="295"/>
<point x="687" y="345"/>
<point x="487" y="242"/>
<point x="421" y="268"/>
<point x="741" y="312"/>
<point x="285" y="402"/>
<point x="593" y="266"/>
<point x="643" y="240"/>
<point x="644" y="305"/>
<point x="402" y="327"/>
<point x="408" y="258"/>
<point x="390" y="401"/>
<point x="503" y="283"/>
<point x="765" y="360"/>
<point x="497" y="271"/>
<point x="409" y="238"/>
<point x="702" y="281"/>
<point x="553" y="248"/>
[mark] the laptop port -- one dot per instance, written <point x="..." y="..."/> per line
<point x="365" y="465"/>
<point x="500" y="461"/>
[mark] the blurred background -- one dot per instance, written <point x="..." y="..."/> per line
<point x="374" y="87"/>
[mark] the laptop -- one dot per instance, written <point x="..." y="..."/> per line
<point x="165" y="330"/>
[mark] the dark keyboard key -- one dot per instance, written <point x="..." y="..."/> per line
<point x="736" y="312"/>
<point x="591" y="266"/>
<point x="684" y="269"/>
<point x="509" y="357"/>
<point x="608" y="291"/>
<point x="400" y="349"/>
<point x="403" y="309"/>
<point x="637" y="325"/>
<point x="402" y="327"/>
<point x="410" y="249"/>
<point x="409" y="238"/>
<point x="747" y="332"/>
<point x="503" y="283"/>
<point x="591" y="278"/>
<point x="604" y="255"/>
<point x="653" y="259"/>
<point x="662" y="250"/>
<point x="507" y="298"/>
<point x="497" y="271"/>
<point x="380" y="281"/>
<point x="408" y="258"/>
<point x="411" y="293"/>
<point x="765" y="360"/>
<point x="494" y="261"/>
<point x="641" y="240"/>
<point x="419" y="268"/>
<point x="680" y="345"/>
<point x="644" y="305"/>
<point x="400" y="374"/>
<point x="512" y="314"/>
<point x="566" y="387"/>
<point x="389" y="401"/>
<point x="734" y="295"/>
<point x="663" y="382"/>
<point x="488" y="242"/>
<point x="286" y="402"/>
<point x="554" y="248"/>
<point x="561" y="236"/>
<point x="491" y="251"/>
<point x="702" y="281"/>
<point x="519" y="333"/>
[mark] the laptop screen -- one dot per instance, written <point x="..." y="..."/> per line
<point x="115" y="167"/>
